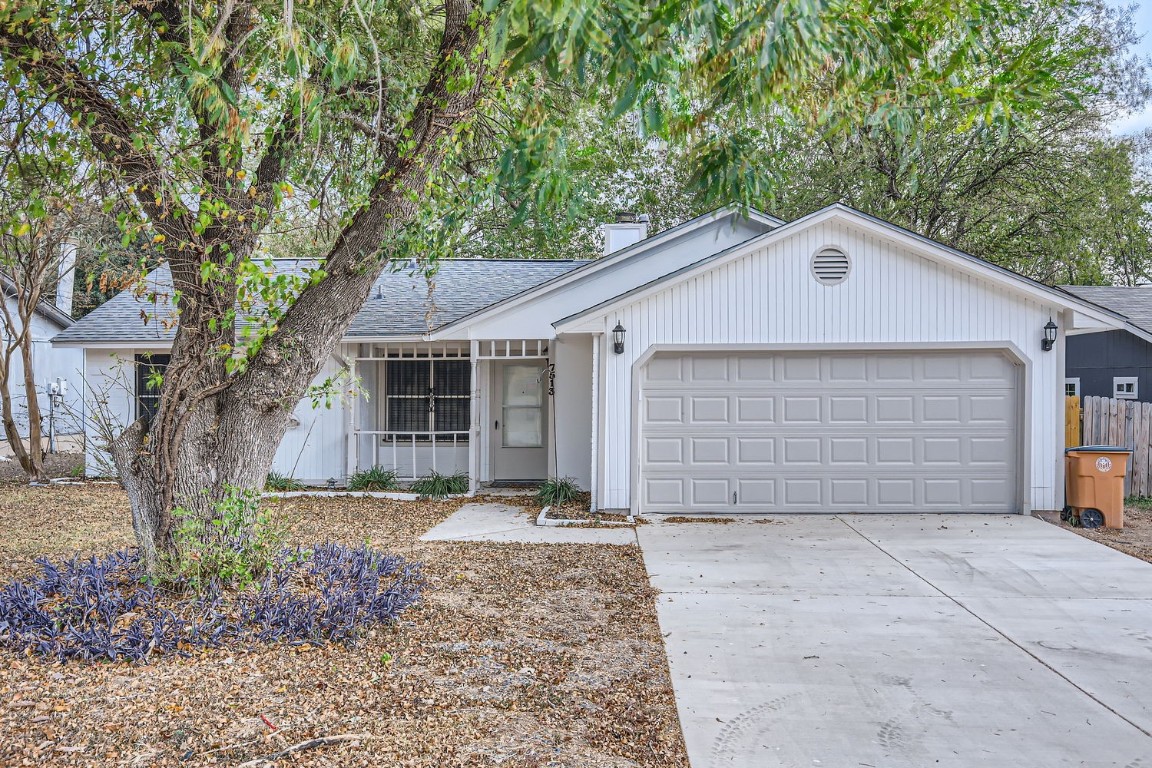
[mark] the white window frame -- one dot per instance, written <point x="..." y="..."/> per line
<point x="1075" y="382"/>
<point x="1121" y="389"/>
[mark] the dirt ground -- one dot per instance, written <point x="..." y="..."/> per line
<point x="521" y="656"/>
<point x="1136" y="537"/>
<point x="57" y="465"/>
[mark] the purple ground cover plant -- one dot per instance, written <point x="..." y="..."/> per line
<point x="105" y="608"/>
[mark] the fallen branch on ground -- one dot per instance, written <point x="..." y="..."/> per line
<point x="321" y="741"/>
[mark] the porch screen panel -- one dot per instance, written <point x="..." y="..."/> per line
<point x="429" y="396"/>
<point x="451" y="380"/>
<point x="408" y="388"/>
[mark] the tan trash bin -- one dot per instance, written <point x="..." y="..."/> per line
<point x="1094" y="484"/>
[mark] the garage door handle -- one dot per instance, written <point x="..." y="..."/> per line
<point x="497" y="424"/>
<point x="733" y="497"/>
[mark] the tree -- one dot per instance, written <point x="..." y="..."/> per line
<point x="230" y="123"/>
<point x="1056" y="198"/>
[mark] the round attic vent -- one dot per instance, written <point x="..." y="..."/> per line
<point x="830" y="266"/>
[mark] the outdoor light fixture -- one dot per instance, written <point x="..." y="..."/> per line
<point x="1049" y="336"/>
<point x="618" y="339"/>
<point x="331" y="483"/>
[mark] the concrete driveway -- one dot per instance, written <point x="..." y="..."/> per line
<point x="887" y="641"/>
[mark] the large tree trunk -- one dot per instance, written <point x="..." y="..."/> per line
<point x="225" y="444"/>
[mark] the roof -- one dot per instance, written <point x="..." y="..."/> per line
<point x="651" y="243"/>
<point x="403" y="302"/>
<point x="1135" y="302"/>
<point x="977" y="264"/>
<point x="45" y="309"/>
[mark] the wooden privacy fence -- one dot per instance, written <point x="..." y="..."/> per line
<point x="1123" y="423"/>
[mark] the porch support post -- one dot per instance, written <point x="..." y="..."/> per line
<point x="594" y="481"/>
<point x="353" y="412"/>
<point x="474" y="438"/>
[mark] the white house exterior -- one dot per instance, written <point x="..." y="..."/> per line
<point x="52" y="365"/>
<point x="831" y="364"/>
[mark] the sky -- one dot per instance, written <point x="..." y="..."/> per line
<point x="1143" y="20"/>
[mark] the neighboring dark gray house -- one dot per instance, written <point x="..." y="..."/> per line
<point x="1113" y="363"/>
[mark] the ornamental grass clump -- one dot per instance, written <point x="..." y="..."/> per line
<point x="109" y="609"/>
<point x="376" y="478"/>
<point x="437" y="486"/>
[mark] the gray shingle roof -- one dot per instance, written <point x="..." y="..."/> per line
<point x="1135" y="302"/>
<point x="403" y="301"/>
<point x="45" y="308"/>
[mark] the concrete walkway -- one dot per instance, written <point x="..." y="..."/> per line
<point x="915" y="641"/>
<point x="504" y="523"/>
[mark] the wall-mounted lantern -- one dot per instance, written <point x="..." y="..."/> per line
<point x="618" y="339"/>
<point x="1049" y="336"/>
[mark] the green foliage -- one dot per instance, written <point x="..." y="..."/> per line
<point x="557" y="491"/>
<point x="280" y="482"/>
<point x="376" y="478"/>
<point x="437" y="486"/>
<point x="233" y="548"/>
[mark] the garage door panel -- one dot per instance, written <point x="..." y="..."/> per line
<point x="664" y="450"/>
<point x="848" y="492"/>
<point x="805" y="370"/>
<point x="848" y="450"/>
<point x="801" y="450"/>
<point x="842" y="431"/>
<point x="850" y="369"/>
<point x="664" y="492"/>
<point x="801" y="410"/>
<point x="664" y="410"/>
<point x="709" y="450"/>
<point x="756" y="369"/>
<point x="712" y="410"/>
<point x="708" y="492"/>
<point x="755" y="410"/>
<point x="803" y="492"/>
<point x="898" y="409"/>
<point x="755" y="450"/>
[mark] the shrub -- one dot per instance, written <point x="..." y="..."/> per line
<point x="437" y="486"/>
<point x="104" y="609"/>
<point x="233" y="549"/>
<point x="279" y="482"/>
<point x="557" y="491"/>
<point x="375" y="479"/>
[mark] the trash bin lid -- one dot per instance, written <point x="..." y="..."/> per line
<point x="1099" y="449"/>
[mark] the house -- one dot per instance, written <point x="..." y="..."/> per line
<point x="57" y="369"/>
<point x="1115" y="363"/>
<point x="734" y="363"/>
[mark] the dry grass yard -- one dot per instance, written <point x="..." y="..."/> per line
<point x="520" y="656"/>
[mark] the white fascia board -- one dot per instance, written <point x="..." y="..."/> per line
<point x="449" y="331"/>
<point x="153" y="344"/>
<point x="917" y="244"/>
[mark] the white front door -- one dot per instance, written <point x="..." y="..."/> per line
<point x="520" y="410"/>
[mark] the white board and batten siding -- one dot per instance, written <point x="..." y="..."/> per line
<point x="313" y="449"/>
<point x="892" y="299"/>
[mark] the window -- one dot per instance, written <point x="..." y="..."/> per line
<point x="426" y="396"/>
<point x="148" y="366"/>
<point x="1072" y="387"/>
<point x="1125" y="387"/>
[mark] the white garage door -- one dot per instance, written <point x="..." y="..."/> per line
<point x="831" y="432"/>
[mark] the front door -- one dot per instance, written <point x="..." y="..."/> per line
<point x="519" y="436"/>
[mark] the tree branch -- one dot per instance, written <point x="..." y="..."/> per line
<point x="110" y="130"/>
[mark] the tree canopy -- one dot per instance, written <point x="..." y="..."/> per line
<point x="356" y="130"/>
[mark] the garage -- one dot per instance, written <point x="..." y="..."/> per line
<point x="888" y="431"/>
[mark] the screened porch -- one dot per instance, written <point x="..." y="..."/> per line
<point x="422" y="410"/>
